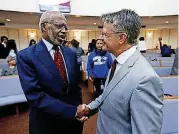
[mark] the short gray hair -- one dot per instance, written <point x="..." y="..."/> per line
<point x="126" y="21"/>
<point x="49" y="16"/>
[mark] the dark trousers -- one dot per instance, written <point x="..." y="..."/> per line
<point x="97" y="84"/>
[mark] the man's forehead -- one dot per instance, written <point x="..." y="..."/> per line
<point x="107" y="27"/>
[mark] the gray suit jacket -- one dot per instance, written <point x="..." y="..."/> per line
<point x="132" y="102"/>
<point x="175" y="64"/>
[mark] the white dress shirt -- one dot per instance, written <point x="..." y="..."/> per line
<point x="122" y="58"/>
<point x="4" y="44"/>
<point x="142" y="46"/>
<point x="52" y="52"/>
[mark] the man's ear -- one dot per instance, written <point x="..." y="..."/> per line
<point x="43" y="27"/>
<point x="122" y="38"/>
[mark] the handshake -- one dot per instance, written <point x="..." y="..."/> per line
<point x="82" y="113"/>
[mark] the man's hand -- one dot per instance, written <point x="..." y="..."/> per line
<point x="82" y="112"/>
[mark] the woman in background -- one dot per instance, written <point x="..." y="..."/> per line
<point x="12" y="69"/>
<point x="99" y="63"/>
<point x="12" y="48"/>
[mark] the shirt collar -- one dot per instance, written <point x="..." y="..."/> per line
<point x="3" y="44"/>
<point x="49" y="45"/>
<point x="122" y="58"/>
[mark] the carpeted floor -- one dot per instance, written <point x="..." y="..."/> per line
<point x="11" y="124"/>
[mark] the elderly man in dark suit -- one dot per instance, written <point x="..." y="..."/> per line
<point x="48" y="73"/>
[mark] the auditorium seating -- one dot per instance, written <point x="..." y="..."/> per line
<point x="163" y="71"/>
<point x="3" y="61"/>
<point x="166" y="63"/>
<point x="3" y="65"/>
<point x="11" y="91"/>
<point x="170" y="85"/>
<point x="170" y="117"/>
<point x="161" y="58"/>
<point x="155" y="63"/>
<point x="152" y="54"/>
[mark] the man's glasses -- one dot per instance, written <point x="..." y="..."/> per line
<point x="63" y="27"/>
<point x="104" y="34"/>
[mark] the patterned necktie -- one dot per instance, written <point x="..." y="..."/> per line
<point x="60" y="66"/>
<point x="113" y="69"/>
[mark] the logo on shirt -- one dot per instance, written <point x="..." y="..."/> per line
<point x="98" y="60"/>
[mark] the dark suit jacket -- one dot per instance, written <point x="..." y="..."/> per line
<point x="52" y="111"/>
<point x="3" y="52"/>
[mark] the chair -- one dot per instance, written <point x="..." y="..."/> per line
<point x="170" y="85"/>
<point x="3" y="61"/>
<point x="163" y="71"/>
<point x="162" y="58"/>
<point x="11" y="91"/>
<point x="154" y="63"/>
<point x="3" y="65"/>
<point x="170" y="117"/>
<point x="166" y="63"/>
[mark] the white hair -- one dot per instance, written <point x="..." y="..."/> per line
<point x="49" y="16"/>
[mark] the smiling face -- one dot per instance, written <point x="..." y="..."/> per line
<point x="99" y="44"/>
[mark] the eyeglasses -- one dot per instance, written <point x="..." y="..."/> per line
<point x="104" y="34"/>
<point x="63" y="27"/>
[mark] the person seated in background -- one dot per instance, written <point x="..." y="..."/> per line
<point x="166" y="51"/>
<point x="3" y="47"/>
<point x="11" y="70"/>
<point x="91" y="45"/>
<point x="175" y="64"/>
<point x="159" y="43"/>
<point x="99" y="63"/>
<point x="12" y="48"/>
<point x="32" y="42"/>
<point x="78" y="50"/>
<point x="142" y="45"/>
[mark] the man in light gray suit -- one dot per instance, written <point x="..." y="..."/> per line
<point x="132" y="100"/>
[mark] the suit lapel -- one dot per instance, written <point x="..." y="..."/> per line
<point x="44" y="56"/>
<point x="120" y="74"/>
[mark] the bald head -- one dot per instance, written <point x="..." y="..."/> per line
<point x="53" y="27"/>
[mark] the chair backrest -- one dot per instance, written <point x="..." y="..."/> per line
<point x="3" y="65"/>
<point x="3" y="61"/>
<point x="170" y="85"/>
<point x="9" y="86"/>
<point x="154" y="63"/>
<point x="163" y="71"/>
<point x="166" y="63"/>
<point x="162" y="58"/>
<point x="152" y="54"/>
<point x="170" y="117"/>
